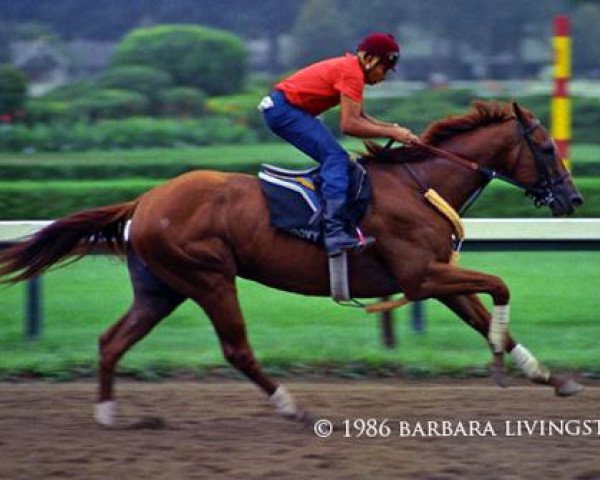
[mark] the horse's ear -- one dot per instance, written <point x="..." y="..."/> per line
<point x="518" y="112"/>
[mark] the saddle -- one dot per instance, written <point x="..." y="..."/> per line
<point x="295" y="201"/>
<point x="296" y="206"/>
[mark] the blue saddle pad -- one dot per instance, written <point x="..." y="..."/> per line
<point x="295" y="202"/>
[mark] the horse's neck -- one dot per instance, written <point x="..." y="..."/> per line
<point x="457" y="183"/>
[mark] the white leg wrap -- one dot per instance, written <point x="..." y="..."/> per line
<point x="284" y="403"/>
<point x="529" y="364"/>
<point x="498" y="327"/>
<point x="104" y="413"/>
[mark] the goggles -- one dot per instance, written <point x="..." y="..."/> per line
<point x="390" y="60"/>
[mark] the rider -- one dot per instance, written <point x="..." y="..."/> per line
<point x="290" y="112"/>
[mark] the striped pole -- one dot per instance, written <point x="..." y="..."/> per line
<point x="561" y="102"/>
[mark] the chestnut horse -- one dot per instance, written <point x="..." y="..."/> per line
<point x="190" y="238"/>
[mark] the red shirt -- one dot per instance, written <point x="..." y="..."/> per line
<point x="318" y="87"/>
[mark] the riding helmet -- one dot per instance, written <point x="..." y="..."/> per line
<point x="382" y="45"/>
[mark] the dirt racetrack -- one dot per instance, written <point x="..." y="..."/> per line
<point x="227" y="430"/>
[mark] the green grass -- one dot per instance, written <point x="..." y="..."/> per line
<point x="553" y="312"/>
<point x="270" y="152"/>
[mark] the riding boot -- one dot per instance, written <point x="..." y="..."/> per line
<point x="337" y="237"/>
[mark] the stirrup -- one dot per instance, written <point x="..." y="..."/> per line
<point x="338" y="280"/>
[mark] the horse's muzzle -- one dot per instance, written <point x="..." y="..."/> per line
<point x="576" y="200"/>
<point x="565" y="201"/>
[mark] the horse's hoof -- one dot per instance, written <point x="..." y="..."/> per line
<point x="498" y="371"/>
<point x="567" y="388"/>
<point x="499" y="377"/>
<point x="304" y="417"/>
<point x="104" y="413"/>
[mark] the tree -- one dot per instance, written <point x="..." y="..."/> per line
<point x="492" y="31"/>
<point x="584" y="2"/>
<point x="586" y="39"/>
<point x="4" y="41"/>
<point x="209" y="59"/>
<point x="13" y="90"/>
<point x="319" y="34"/>
<point x="268" y="18"/>
<point x="374" y="16"/>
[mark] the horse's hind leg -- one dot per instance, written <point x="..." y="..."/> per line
<point x="222" y="306"/>
<point x="472" y="311"/>
<point x="153" y="300"/>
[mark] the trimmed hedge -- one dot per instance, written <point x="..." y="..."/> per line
<point x="48" y="110"/>
<point x="182" y="101"/>
<point x="110" y="103"/>
<point x="131" y="133"/>
<point x="212" y="60"/>
<point x="48" y="200"/>
<point x="81" y="101"/>
<point x="44" y="200"/>
<point x="242" y="109"/>
<point x="137" y="78"/>
<point x="422" y="108"/>
<point x="168" y="162"/>
<point x="40" y="170"/>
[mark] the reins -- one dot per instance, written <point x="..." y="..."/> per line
<point x="489" y="173"/>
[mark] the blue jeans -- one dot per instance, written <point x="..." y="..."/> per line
<point x="313" y="138"/>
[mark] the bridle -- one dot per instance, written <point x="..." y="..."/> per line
<point x="542" y="191"/>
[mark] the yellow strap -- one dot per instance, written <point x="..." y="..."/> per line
<point x="447" y="211"/>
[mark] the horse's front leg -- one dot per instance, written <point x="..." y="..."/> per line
<point x="439" y="279"/>
<point x="472" y="311"/>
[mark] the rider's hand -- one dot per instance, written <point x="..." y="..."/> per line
<point x="404" y="135"/>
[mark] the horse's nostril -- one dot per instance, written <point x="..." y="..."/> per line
<point x="576" y="200"/>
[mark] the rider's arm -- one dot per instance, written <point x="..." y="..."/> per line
<point x="353" y="122"/>
<point x="376" y="121"/>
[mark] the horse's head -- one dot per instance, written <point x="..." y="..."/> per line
<point x="525" y="156"/>
<point x="539" y="168"/>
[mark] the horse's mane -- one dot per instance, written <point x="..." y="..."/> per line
<point x="482" y="113"/>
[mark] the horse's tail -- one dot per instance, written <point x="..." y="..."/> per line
<point x="73" y="235"/>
